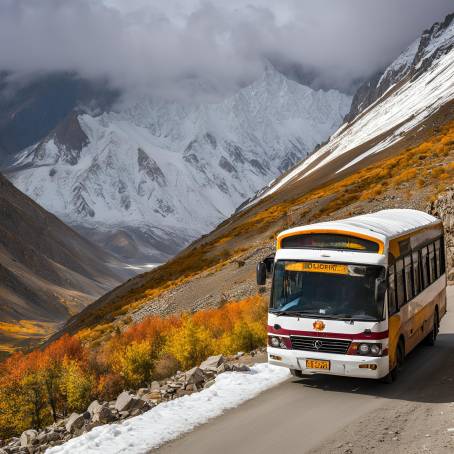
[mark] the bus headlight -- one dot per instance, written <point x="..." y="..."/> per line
<point x="365" y="349"/>
<point x="277" y="342"/>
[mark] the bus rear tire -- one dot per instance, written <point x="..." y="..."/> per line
<point x="296" y="373"/>
<point x="432" y="336"/>
<point x="400" y="355"/>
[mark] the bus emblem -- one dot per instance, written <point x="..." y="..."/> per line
<point x="318" y="344"/>
<point x="318" y="325"/>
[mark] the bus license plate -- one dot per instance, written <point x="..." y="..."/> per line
<point x="317" y="364"/>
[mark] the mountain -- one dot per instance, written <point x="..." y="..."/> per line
<point x="389" y="109"/>
<point x="396" y="153"/>
<point x="152" y="175"/>
<point x="48" y="272"/>
<point x="32" y="107"/>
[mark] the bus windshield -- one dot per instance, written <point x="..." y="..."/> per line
<point x="329" y="290"/>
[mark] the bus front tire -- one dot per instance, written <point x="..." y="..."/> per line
<point x="296" y="373"/>
<point x="432" y="336"/>
<point x="400" y="355"/>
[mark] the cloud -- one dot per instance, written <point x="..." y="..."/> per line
<point x="209" y="46"/>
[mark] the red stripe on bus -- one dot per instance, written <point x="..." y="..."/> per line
<point x="360" y="336"/>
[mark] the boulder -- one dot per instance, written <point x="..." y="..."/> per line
<point x="213" y="362"/>
<point x="93" y="407"/>
<point x="75" y="422"/>
<point x="128" y="402"/>
<point x="194" y="376"/>
<point x="125" y="402"/>
<point x="103" y="415"/>
<point x="155" y="386"/>
<point x="28" y="437"/>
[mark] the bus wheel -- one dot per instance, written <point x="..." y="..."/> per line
<point x="400" y="356"/>
<point x="296" y="373"/>
<point x="432" y="336"/>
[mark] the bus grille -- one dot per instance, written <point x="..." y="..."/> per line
<point x="320" y="344"/>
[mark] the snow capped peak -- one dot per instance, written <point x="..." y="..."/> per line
<point x="173" y="170"/>
<point x="414" y="87"/>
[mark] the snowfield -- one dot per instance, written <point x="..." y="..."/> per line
<point x="169" y="420"/>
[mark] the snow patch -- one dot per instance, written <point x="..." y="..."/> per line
<point x="171" y="419"/>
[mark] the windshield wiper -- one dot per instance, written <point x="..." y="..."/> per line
<point x="302" y="314"/>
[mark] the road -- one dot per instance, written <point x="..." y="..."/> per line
<point x="323" y="414"/>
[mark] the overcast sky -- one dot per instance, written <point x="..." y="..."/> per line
<point x="221" y="44"/>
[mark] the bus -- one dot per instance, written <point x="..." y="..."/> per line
<point x="353" y="297"/>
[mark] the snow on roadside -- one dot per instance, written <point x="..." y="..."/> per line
<point x="171" y="419"/>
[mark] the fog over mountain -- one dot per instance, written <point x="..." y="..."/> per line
<point x="209" y="48"/>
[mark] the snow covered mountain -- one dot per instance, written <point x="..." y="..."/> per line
<point x="385" y="110"/>
<point x="152" y="175"/>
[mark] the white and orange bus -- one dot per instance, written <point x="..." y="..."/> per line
<point x="353" y="297"/>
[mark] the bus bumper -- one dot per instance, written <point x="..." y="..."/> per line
<point x="344" y="365"/>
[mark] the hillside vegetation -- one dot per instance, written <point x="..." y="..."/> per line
<point x="42" y="386"/>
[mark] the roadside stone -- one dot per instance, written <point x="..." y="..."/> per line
<point x="28" y="437"/>
<point x="142" y="391"/>
<point x="240" y="368"/>
<point x="194" y="376"/>
<point x="103" y="415"/>
<point x="125" y="402"/>
<point x="209" y="383"/>
<point x="155" y="386"/>
<point x="93" y="407"/>
<point x="124" y="414"/>
<point x="75" y="422"/>
<point x="212" y="362"/>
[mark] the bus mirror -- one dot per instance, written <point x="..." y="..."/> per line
<point x="261" y="273"/>
<point x="380" y="289"/>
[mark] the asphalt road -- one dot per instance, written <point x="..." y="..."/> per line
<point x="299" y="415"/>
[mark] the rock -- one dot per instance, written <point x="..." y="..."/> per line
<point x="240" y="368"/>
<point x="194" y="376"/>
<point x="155" y="386"/>
<point x="124" y="414"/>
<point x="125" y="402"/>
<point x="53" y="436"/>
<point x="28" y="437"/>
<point x="93" y="407"/>
<point x="75" y="422"/>
<point x="240" y="354"/>
<point x="42" y="438"/>
<point x="221" y="369"/>
<point x="103" y="415"/>
<point x="212" y="362"/>
<point x="209" y="383"/>
<point x="142" y="391"/>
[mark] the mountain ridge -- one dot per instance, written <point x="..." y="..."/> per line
<point x="167" y="172"/>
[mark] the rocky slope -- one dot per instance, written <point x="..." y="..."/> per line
<point x="166" y="172"/>
<point x="48" y="272"/>
<point x="411" y="63"/>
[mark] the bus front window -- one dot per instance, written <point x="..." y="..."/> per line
<point x="331" y="290"/>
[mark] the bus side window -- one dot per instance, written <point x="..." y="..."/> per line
<point x="442" y="256"/>
<point x="432" y="267"/>
<point x="392" y="306"/>
<point x="400" y="284"/>
<point x="408" y="278"/>
<point x="416" y="275"/>
<point x="425" y="267"/>
<point x="438" y="258"/>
